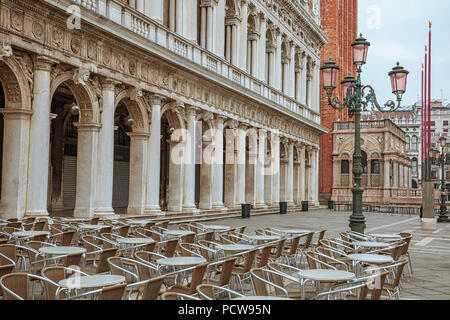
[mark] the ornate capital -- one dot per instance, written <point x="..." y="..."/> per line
<point x="190" y="110"/>
<point x="156" y="99"/>
<point x="43" y="63"/>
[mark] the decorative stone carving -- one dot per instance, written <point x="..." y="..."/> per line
<point x="27" y="66"/>
<point x="92" y="50"/>
<point x="75" y="45"/>
<point x="81" y="76"/>
<point x="17" y="21"/>
<point x="135" y="93"/>
<point x="38" y="30"/>
<point x="5" y="49"/>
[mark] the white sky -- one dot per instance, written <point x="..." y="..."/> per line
<point x="398" y="31"/>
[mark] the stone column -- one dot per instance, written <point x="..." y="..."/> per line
<point x="179" y="17"/>
<point x="15" y="162"/>
<point x="175" y="189"/>
<point x="230" y="178"/>
<point x="218" y="164"/>
<point x="275" y="141"/>
<point x="39" y="139"/>
<point x="262" y="48"/>
<point x="241" y="170"/>
<point x="172" y="15"/>
<point x="228" y="43"/>
<point x="337" y="174"/>
<point x="86" y="169"/>
<point x="206" y="175"/>
<point x="140" y="6"/>
<point x="235" y="44"/>
<point x="209" y="29"/>
<point x="296" y="179"/>
<point x="271" y="69"/>
<point x="218" y="18"/>
<point x="189" y="166"/>
<point x="316" y="178"/>
<point x="105" y="159"/>
<point x="243" y="36"/>
<point x="298" y="81"/>
<point x="203" y="26"/>
<point x="138" y="173"/>
<point x="317" y="87"/>
<point x="308" y="91"/>
<point x="387" y="174"/>
<point x="154" y="154"/>
<point x="262" y="139"/>
<point x="302" y="173"/>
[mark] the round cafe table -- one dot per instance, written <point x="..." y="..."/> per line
<point x="178" y="233"/>
<point x="138" y="222"/>
<point x="234" y="247"/>
<point x="61" y="250"/>
<point x="133" y="243"/>
<point x="370" y="245"/>
<point x="377" y="259"/>
<point x="293" y="231"/>
<point x="179" y="263"/>
<point x="386" y="236"/>
<point x="216" y="227"/>
<point x="29" y="233"/>
<point x="262" y="238"/>
<point x="90" y="282"/>
<point x="319" y="275"/>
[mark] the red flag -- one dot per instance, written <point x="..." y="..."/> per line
<point x="421" y="122"/>
<point x="429" y="88"/>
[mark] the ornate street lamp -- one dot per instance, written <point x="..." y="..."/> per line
<point x="441" y="160"/>
<point x="356" y="97"/>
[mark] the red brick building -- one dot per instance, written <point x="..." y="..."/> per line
<point x="340" y="20"/>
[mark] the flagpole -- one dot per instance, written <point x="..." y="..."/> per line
<point x="425" y="115"/>
<point x="421" y="122"/>
<point x="429" y="89"/>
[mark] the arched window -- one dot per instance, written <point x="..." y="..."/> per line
<point x="414" y="164"/>
<point x="364" y="161"/>
<point x="408" y="142"/>
<point x="345" y="167"/>
<point x="414" y="143"/>
<point x="375" y="167"/>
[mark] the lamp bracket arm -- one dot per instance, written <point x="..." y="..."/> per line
<point x="371" y="98"/>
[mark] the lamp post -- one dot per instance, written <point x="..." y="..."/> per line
<point x="356" y="97"/>
<point x="441" y="159"/>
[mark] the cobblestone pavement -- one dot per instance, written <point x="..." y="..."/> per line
<point x="430" y="251"/>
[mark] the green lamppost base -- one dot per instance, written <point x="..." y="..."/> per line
<point x="357" y="219"/>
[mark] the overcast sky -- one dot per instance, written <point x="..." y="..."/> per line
<point x="398" y="31"/>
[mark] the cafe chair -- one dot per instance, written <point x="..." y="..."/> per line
<point x="208" y="291"/>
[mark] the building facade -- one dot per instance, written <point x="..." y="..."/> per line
<point x="340" y="21"/>
<point x="387" y="171"/>
<point x="158" y="106"/>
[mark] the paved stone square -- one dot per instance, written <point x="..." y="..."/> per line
<point x="430" y="251"/>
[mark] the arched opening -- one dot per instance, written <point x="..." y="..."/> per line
<point x="345" y="173"/>
<point x="63" y="151"/>
<point x="364" y="167"/>
<point x="414" y="184"/>
<point x="123" y="123"/>
<point x="2" y="126"/>
<point x="270" y="58"/>
<point x="164" y="164"/>
<point x="307" y="176"/>
<point x="269" y="171"/>
<point x="296" y="185"/>
<point x="251" y="158"/>
<point x="284" y="68"/>
<point x="252" y="45"/>
<point x="205" y="168"/>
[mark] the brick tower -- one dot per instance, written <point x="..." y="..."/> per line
<point x="340" y="20"/>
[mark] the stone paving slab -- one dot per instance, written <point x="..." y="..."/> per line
<point x="429" y="250"/>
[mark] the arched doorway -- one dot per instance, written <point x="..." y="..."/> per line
<point x="123" y="124"/>
<point x="63" y="151"/>
<point x="164" y="164"/>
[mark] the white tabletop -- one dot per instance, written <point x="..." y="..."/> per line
<point x="371" y="244"/>
<point x="62" y="250"/>
<point x="294" y="231"/>
<point x="263" y="237"/>
<point x="138" y="222"/>
<point x="216" y="227"/>
<point x="326" y="275"/>
<point x="386" y="235"/>
<point x="261" y="298"/>
<point x="235" y="247"/>
<point x="95" y="281"/>
<point x="181" y="261"/>
<point x="371" y="258"/>
<point x="74" y="219"/>
<point x="30" y="233"/>
<point x="178" y="232"/>
<point x="135" y="240"/>
<point x="92" y="226"/>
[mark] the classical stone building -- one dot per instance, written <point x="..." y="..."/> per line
<point x="340" y="21"/>
<point x="111" y="106"/>
<point x="387" y="171"/>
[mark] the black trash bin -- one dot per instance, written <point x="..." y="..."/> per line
<point x="305" y="206"/>
<point x="283" y="207"/>
<point x="246" y="208"/>
<point x="330" y="204"/>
